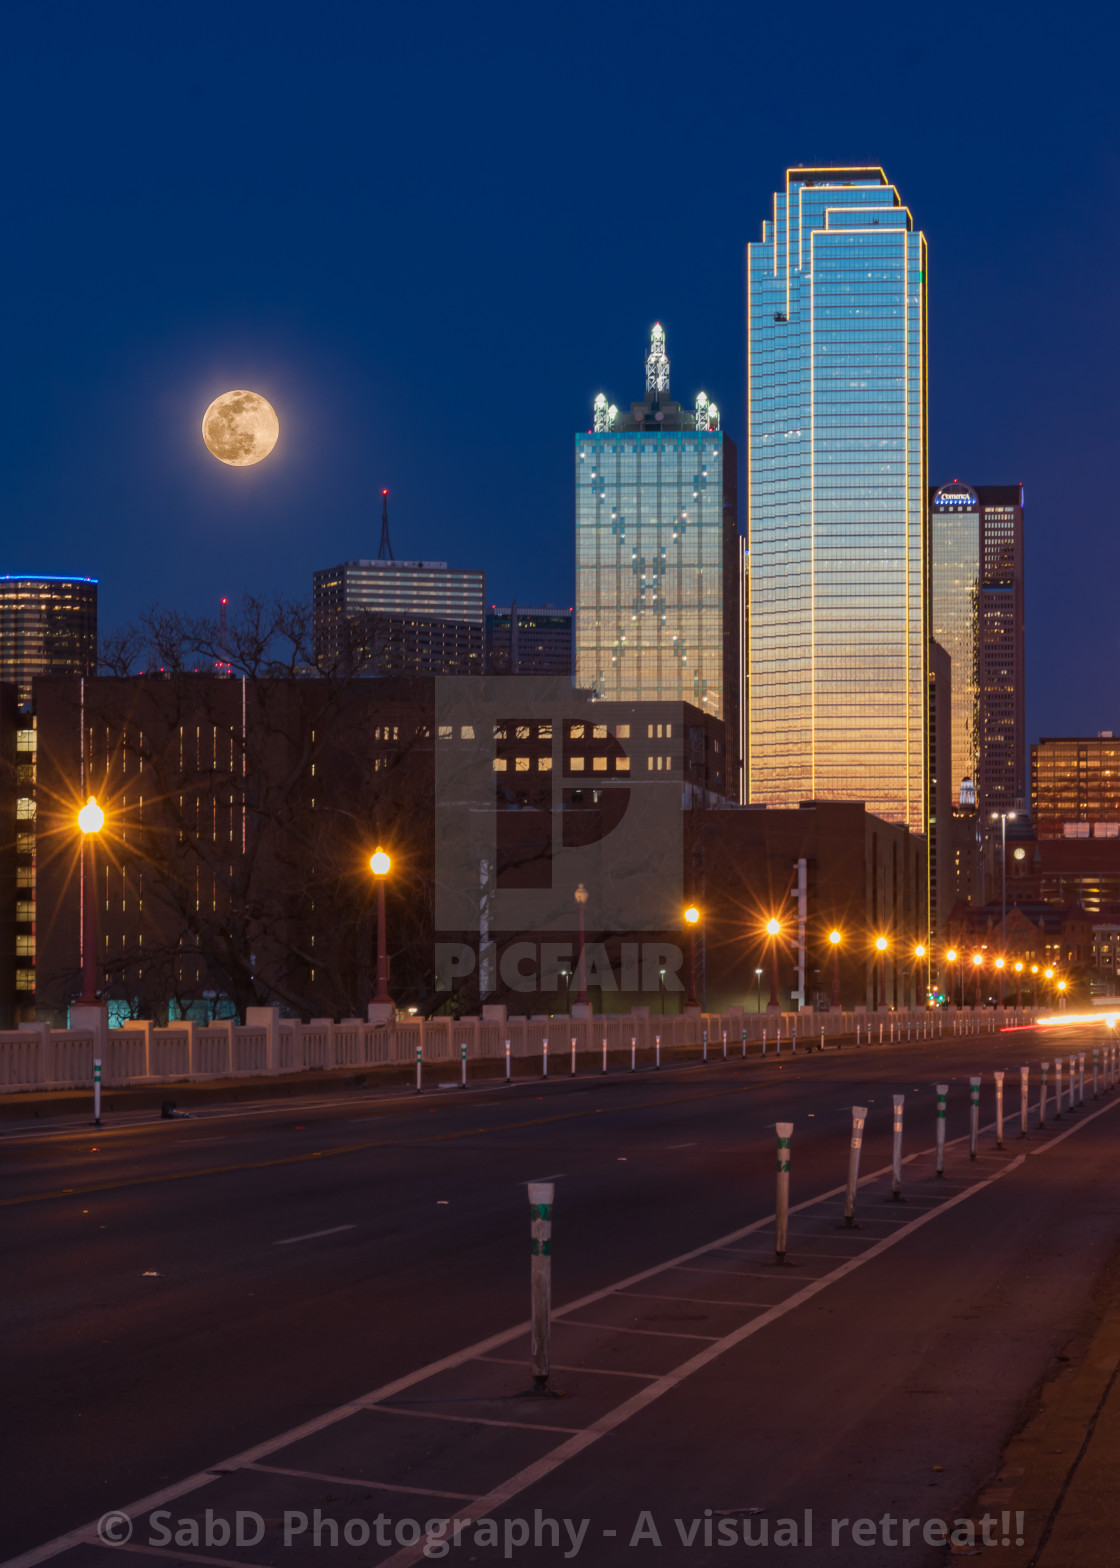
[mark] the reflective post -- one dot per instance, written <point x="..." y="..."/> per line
<point x="604" y="1053"/>
<point x="1042" y="1094"/>
<point x="793" y="1035"/>
<point x="998" y="1076"/>
<point x="1024" y="1108"/>
<point x="704" y="1033"/>
<point x="1081" y="1077"/>
<point x="973" y="1117"/>
<point x="1096" y="1072"/>
<point x="1057" y="1088"/>
<point x="657" y="1050"/>
<point x="541" y="1194"/>
<point x="463" y="1054"/>
<point x="725" y="1045"/>
<point x="633" y="1053"/>
<point x="942" y="1094"/>
<point x="573" y="1056"/>
<point x="97" y="1091"/>
<point x="508" y="1073"/>
<point x="544" y="1057"/>
<point x="781" y="1228"/>
<point x="896" y="1152"/>
<point x="743" y="1039"/>
<point x="420" y="1068"/>
<point x="859" y="1117"/>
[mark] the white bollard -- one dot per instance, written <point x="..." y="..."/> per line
<point x="998" y="1076"/>
<point x="781" y="1214"/>
<point x="704" y="1038"/>
<point x="1024" y="1107"/>
<point x="973" y="1117"/>
<point x="463" y="1054"/>
<point x="822" y="1037"/>
<point x="1081" y="1077"/>
<point x="880" y="1034"/>
<point x="633" y="1054"/>
<point x="509" y="1073"/>
<point x="544" y="1057"/>
<point x="1057" y="1088"/>
<point x="1071" y="1102"/>
<point x="896" y="1152"/>
<point x="604" y="1053"/>
<point x="942" y="1093"/>
<point x="1096" y="1071"/>
<point x="939" y="1023"/>
<point x="793" y="1036"/>
<point x="725" y="1045"/>
<point x="1042" y="1094"/>
<point x="743" y="1040"/>
<point x="859" y="1117"/>
<point x="857" y="1036"/>
<point x="573" y="1056"/>
<point x="97" y="1091"/>
<point x="657" y="1050"/>
<point x="541" y="1194"/>
<point x="420" y="1068"/>
<point x="764" y="1042"/>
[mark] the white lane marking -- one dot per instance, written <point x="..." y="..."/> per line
<point x="350" y="1480"/>
<point x="508" y="1361"/>
<point x="653" y="1333"/>
<point x="418" y="1413"/>
<point x="87" y="1533"/>
<point x="311" y="1235"/>
<point x="680" y="1146"/>
<point x="556" y="1177"/>
<point x="500" y="1495"/>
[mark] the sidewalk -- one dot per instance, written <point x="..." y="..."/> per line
<point x="1058" y="1477"/>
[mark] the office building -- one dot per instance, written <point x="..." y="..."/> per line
<point x="389" y="617"/>
<point x="528" y="641"/>
<point x="659" y="557"/>
<point x="48" y="626"/>
<point x="976" y="614"/>
<point x="1075" y="786"/>
<point x="836" y="499"/>
<point x="939" y="828"/>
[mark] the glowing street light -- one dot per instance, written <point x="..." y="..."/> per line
<point x="91" y="819"/>
<point x="773" y="930"/>
<point x="692" y="920"/>
<point x="951" y="957"/>
<point x="1000" y="967"/>
<point x="835" y="938"/>
<point x="881" y="977"/>
<point x="581" y="896"/>
<point x="379" y="864"/>
<point x="1019" y="980"/>
<point x="978" y="962"/>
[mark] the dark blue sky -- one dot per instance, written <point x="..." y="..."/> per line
<point x="430" y="233"/>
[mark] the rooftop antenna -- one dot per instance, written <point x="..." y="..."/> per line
<point x="657" y="363"/>
<point x="385" y="553"/>
<point x="223" y="644"/>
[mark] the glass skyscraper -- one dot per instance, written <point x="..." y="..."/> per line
<point x="836" y="450"/>
<point x="976" y="614"/>
<point x="659" y="557"/>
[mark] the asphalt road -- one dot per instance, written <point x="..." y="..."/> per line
<point x="178" y="1292"/>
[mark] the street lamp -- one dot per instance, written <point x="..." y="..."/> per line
<point x="773" y="929"/>
<point x="951" y="957"/>
<point x="881" y="949"/>
<point x="91" y="819"/>
<point x="977" y="959"/>
<point x="1034" y="985"/>
<point x="758" y="982"/>
<point x="1004" y="818"/>
<point x="1000" y="967"/>
<point x="919" y="954"/>
<point x="379" y="864"/>
<point x="835" y="938"/>
<point x="581" y="897"/>
<point x="1062" y="993"/>
<point x="1019" y="979"/>
<point x="692" y="919"/>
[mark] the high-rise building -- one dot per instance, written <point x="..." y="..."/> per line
<point x="48" y="626"/>
<point x="659" y="558"/>
<point x="836" y="453"/>
<point x="940" y="879"/>
<point x="976" y="613"/>
<point x="391" y="617"/>
<point x="524" y="640"/>
<point x="1075" y="786"/>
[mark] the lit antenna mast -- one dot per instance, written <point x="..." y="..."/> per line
<point x="657" y="361"/>
<point x="385" y="553"/>
<point x="702" y="411"/>
<point x="223" y="642"/>
<point x="605" y="415"/>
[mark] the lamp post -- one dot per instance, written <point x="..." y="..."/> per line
<point x="1019" y="982"/>
<point x="91" y="819"/>
<point x="835" y="938"/>
<point x="381" y="1008"/>
<point x="919" y="954"/>
<point x="951" y="958"/>
<point x="1004" y="818"/>
<point x="1048" y="976"/>
<point x="881" y="969"/>
<point x="692" y="920"/>
<point x="1061" y="993"/>
<point x="758" y="982"/>
<point x="1000" y="966"/>
<point x="581" y="897"/>
<point x="1034" y="985"/>
<point x="773" y="929"/>
<point x="977" y="961"/>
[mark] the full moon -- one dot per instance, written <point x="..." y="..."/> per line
<point x="240" y="428"/>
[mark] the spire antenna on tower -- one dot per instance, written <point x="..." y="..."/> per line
<point x="385" y="553"/>
<point x="657" y="363"/>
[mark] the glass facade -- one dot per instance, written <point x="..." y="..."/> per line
<point x="976" y="614"/>
<point x="1075" y="787"/>
<point x="48" y="626"/>
<point x="836" y="437"/>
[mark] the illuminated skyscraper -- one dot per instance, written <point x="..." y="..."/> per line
<point x="659" y="557"/>
<point x="836" y="450"/>
<point x="976" y="614"/>
<point x="48" y="626"/>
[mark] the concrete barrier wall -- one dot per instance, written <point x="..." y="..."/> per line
<point x="37" y="1057"/>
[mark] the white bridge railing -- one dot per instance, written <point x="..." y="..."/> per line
<point x="38" y="1057"/>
